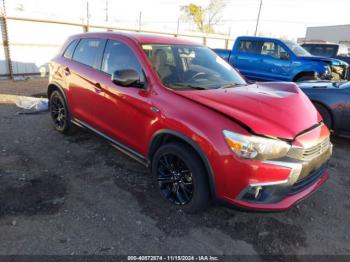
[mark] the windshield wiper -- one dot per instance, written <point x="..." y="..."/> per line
<point x="189" y="86"/>
<point x="230" y="85"/>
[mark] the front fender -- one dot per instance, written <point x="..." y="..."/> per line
<point x="319" y="68"/>
<point x="196" y="147"/>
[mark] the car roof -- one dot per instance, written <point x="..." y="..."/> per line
<point x="140" y="38"/>
<point x="260" y="38"/>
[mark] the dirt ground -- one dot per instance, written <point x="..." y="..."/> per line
<point x="77" y="195"/>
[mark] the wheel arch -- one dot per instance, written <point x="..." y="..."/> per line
<point x="328" y="110"/>
<point x="55" y="86"/>
<point x="304" y="73"/>
<point x="164" y="136"/>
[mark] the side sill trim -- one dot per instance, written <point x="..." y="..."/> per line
<point x="121" y="147"/>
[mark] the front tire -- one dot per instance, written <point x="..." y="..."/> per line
<point x="59" y="112"/>
<point x="181" y="177"/>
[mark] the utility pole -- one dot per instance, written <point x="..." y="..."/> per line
<point x="228" y="38"/>
<point x="87" y="17"/>
<point x="178" y="26"/>
<point x="258" y="19"/>
<point x="140" y="21"/>
<point x="106" y="10"/>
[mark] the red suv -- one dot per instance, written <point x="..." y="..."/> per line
<point x="178" y="108"/>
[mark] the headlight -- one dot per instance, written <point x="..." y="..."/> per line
<point x="327" y="71"/>
<point x="255" y="147"/>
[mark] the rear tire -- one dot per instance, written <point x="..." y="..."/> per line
<point x="59" y="112"/>
<point x="181" y="177"/>
<point x="327" y="118"/>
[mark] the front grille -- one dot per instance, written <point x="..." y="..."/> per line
<point x="308" y="180"/>
<point x="306" y="154"/>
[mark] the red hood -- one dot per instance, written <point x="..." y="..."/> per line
<point x="271" y="109"/>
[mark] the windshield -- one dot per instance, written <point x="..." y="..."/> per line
<point x="182" y="67"/>
<point x="296" y="49"/>
<point x="321" y="49"/>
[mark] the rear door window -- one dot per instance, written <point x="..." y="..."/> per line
<point x="118" y="56"/>
<point x="89" y="52"/>
<point x="249" y="46"/>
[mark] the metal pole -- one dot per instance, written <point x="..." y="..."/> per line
<point x="228" y="38"/>
<point x="204" y="40"/>
<point x="258" y="19"/>
<point x="178" y="27"/>
<point x="140" y="17"/>
<point x="87" y="17"/>
<point x="5" y="40"/>
<point x="106" y="10"/>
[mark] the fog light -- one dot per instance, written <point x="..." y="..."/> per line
<point x="257" y="191"/>
<point x="253" y="193"/>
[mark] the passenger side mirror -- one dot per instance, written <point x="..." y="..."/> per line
<point x="127" y="78"/>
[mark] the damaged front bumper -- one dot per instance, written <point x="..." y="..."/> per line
<point x="336" y="73"/>
<point x="308" y="171"/>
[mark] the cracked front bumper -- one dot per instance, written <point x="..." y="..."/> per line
<point x="307" y="172"/>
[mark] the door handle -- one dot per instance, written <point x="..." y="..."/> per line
<point x="154" y="109"/>
<point x="98" y="87"/>
<point x="66" y="71"/>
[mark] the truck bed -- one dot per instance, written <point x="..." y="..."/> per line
<point x="224" y="53"/>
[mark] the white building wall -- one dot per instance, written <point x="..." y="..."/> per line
<point x="33" y="44"/>
<point x="336" y="34"/>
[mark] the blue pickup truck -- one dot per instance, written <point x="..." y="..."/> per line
<point x="270" y="59"/>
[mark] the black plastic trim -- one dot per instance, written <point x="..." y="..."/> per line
<point x="60" y="88"/>
<point x="308" y="181"/>
<point x="121" y="147"/>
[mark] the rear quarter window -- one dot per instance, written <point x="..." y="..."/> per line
<point x="89" y="52"/>
<point x="68" y="53"/>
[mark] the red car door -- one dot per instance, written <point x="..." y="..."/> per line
<point x="123" y="113"/>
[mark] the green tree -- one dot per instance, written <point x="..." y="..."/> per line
<point x="204" y="18"/>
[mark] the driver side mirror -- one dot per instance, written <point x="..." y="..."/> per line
<point x="127" y="78"/>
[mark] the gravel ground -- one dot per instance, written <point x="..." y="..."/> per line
<point x="77" y="195"/>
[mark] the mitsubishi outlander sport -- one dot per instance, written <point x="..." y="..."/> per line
<point x="184" y="112"/>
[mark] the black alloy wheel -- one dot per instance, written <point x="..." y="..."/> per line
<point x="175" y="179"/>
<point x="59" y="112"/>
<point x="181" y="177"/>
